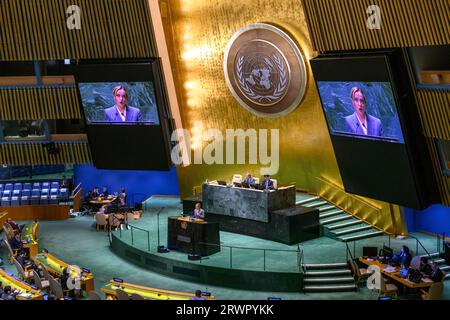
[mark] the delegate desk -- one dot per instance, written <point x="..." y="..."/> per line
<point x="26" y="292"/>
<point x="100" y="201"/>
<point x="246" y="203"/>
<point x="192" y="236"/>
<point x="424" y="283"/>
<point x="147" y="293"/>
<point x="28" y="241"/>
<point x="56" y="267"/>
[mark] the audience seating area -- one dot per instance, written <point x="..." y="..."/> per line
<point x="32" y="193"/>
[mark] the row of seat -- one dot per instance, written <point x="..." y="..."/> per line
<point x="29" y="185"/>
<point x="35" y="192"/>
<point x="33" y="197"/>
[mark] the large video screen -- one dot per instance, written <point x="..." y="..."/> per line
<point x="374" y="126"/>
<point x="126" y="113"/>
<point x="119" y="102"/>
<point x="361" y="110"/>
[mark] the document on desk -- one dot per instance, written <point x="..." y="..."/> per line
<point x="390" y="269"/>
<point x="427" y="280"/>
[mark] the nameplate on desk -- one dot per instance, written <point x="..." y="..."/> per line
<point x="184" y="239"/>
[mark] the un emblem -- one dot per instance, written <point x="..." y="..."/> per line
<point x="265" y="70"/>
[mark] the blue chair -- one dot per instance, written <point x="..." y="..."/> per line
<point x="45" y="185"/>
<point x="17" y="193"/>
<point x="63" y="193"/>
<point x="5" y="201"/>
<point x="2" y="186"/>
<point x="15" y="201"/>
<point x="54" y="191"/>
<point x="55" y="185"/>
<point x="34" y="201"/>
<point x="44" y="199"/>
<point x="7" y="193"/>
<point x="35" y="196"/>
<point x="18" y="186"/>
<point x="54" y="199"/>
<point x="27" y="185"/>
<point x="26" y="192"/>
<point x="9" y="186"/>
<point x="25" y="200"/>
<point x="45" y="192"/>
<point x="37" y="185"/>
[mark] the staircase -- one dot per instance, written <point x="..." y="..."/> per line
<point x="336" y="223"/>
<point x="441" y="263"/>
<point x="328" y="277"/>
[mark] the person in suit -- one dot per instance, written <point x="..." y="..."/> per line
<point x="121" y="112"/>
<point x="404" y="257"/>
<point x="16" y="243"/>
<point x="198" y="296"/>
<point x="123" y="197"/>
<point x="436" y="273"/>
<point x="8" y="295"/>
<point x="425" y="266"/>
<point x="267" y="183"/>
<point x="105" y="192"/>
<point x="95" y="193"/>
<point x="14" y="225"/>
<point x="360" y="122"/>
<point x="199" y="213"/>
<point x="249" y="180"/>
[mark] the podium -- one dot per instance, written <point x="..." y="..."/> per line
<point x="193" y="236"/>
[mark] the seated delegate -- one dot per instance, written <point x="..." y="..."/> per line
<point x="267" y="184"/>
<point x="199" y="213"/>
<point x="403" y="258"/>
<point x="249" y="181"/>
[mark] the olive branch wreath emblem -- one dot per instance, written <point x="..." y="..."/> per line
<point x="279" y="90"/>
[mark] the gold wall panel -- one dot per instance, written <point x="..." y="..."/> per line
<point x="197" y="32"/>
<point x="32" y="153"/>
<point x="39" y="103"/>
<point x="341" y="24"/>
<point x="37" y="30"/>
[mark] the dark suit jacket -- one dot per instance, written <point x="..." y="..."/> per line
<point x="250" y="181"/>
<point x="374" y="127"/>
<point x="267" y="184"/>
<point x="112" y="114"/>
<point x="437" y="275"/>
<point x="16" y="244"/>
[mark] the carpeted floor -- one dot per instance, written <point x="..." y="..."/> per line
<point x="76" y="241"/>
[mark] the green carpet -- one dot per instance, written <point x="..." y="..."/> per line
<point x="76" y="241"/>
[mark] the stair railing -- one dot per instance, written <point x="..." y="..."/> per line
<point x="418" y="243"/>
<point x="348" y="251"/>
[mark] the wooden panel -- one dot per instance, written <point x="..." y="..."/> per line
<point x="434" y="108"/>
<point x="3" y="216"/>
<point x="33" y="153"/>
<point x="41" y="212"/>
<point x="37" y="30"/>
<point x="443" y="181"/>
<point x="39" y="103"/>
<point x="341" y="24"/>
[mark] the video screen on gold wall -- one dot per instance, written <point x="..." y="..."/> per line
<point x="119" y="102"/>
<point x="364" y="110"/>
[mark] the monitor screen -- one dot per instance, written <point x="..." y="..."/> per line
<point x="364" y="110"/>
<point x="370" y="251"/>
<point x="119" y="102"/>
<point x="374" y="126"/>
<point x="126" y="112"/>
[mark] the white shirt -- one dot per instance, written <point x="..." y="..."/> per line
<point x="364" y="127"/>
<point x="124" y="115"/>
